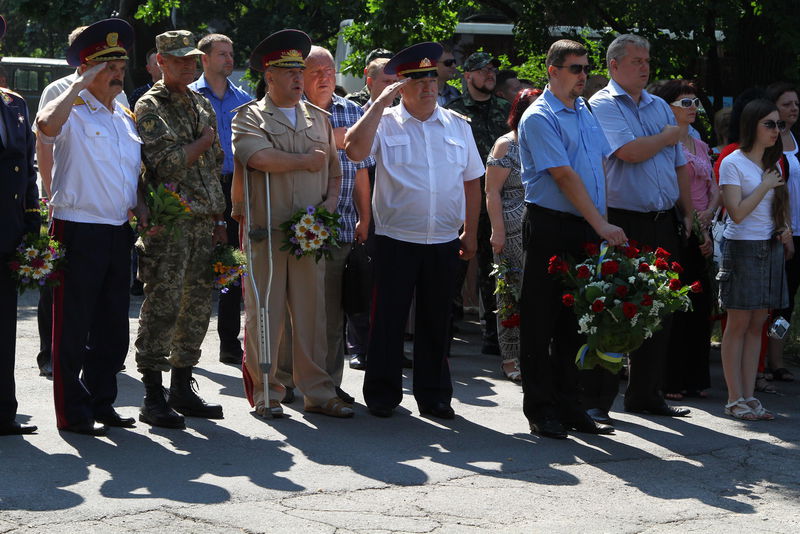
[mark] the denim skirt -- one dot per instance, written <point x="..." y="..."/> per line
<point x="752" y="275"/>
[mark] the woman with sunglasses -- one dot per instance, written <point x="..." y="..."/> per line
<point x="784" y="95"/>
<point x="687" y="372"/>
<point x="505" y="203"/>
<point x="752" y="278"/>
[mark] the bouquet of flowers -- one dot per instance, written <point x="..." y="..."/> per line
<point x="167" y="207"/>
<point x="37" y="262"/>
<point x="507" y="289"/>
<point x="229" y="265"/>
<point x="312" y="231"/>
<point x="620" y="295"/>
<point x="44" y="211"/>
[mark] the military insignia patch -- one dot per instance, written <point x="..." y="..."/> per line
<point x="186" y="41"/>
<point x="149" y="125"/>
<point x="7" y="99"/>
<point x="112" y="38"/>
<point x="425" y="63"/>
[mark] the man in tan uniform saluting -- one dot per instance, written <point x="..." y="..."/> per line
<point x="288" y="145"/>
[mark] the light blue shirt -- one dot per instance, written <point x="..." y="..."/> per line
<point x="233" y="98"/>
<point x="553" y="135"/>
<point x="651" y="185"/>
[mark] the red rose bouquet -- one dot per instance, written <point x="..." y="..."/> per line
<point x="620" y="296"/>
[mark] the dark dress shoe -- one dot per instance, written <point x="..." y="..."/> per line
<point x="440" y="410"/>
<point x="114" y="419"/>
<point x="378" y="411"/>
<point x="342" y="394"/>
<point x="288" y="396"/>
<point x="587" y="425"/>
<point x="549" y="428"/>
<point x="16" y="429"/>
<point x="137" y="288"/>
<point x="408" y="363"/>
<point x="233" y="357"/>
<point x="358" y="362"/>
<point x="88" y="429"/>
<point x="600" y="416"/>
<point x="46" y="369"/>
<point x="659" y="409"/>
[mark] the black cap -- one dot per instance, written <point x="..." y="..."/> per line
<point x="107" y="40"/>
<point x="416" y="61"/>
<point x="377" y="54"/>
<point x="286" y="48"/>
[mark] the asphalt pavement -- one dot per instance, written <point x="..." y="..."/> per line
<point x="482" y="472"/>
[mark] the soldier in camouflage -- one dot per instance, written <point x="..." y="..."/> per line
<point x="180" y="147"/>
<point x="488" y="115"/>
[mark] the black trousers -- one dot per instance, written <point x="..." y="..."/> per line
<point x="8" y="340"/>
<point x="600" y="388"/>
<point x="549" y="338"/>
<point x="229" y="311"/>
<point x="44" y="321"/>
<point x="400" y="268"/>
<point x="90" y="319"/>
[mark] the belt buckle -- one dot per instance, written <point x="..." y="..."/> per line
<point x="658" y="215"/>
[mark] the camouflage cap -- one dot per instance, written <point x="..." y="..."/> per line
<point x="478" y="60"/>
<point x="378" y="53"/>
<point x="178" y="43"/>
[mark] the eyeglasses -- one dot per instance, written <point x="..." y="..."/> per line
<point x="449" y="62"/>
<point x="772" y="125"/>
<point x="686" y="103"/>
<point x="575" y="69"/>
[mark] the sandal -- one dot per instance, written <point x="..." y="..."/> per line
<point x="763" y="386"/>
<point x="673" y="396"/>
<point x="783" y="374"/>
<point x="738" y="409"/>
<point x="275" y="410"/>
<point x="515" y="375"/>
<point x="335" y="407"/>
<point x="758" y="409"/>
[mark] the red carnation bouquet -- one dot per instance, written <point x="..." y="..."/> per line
<point x="620" y="296"/>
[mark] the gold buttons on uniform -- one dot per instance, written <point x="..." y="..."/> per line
<point x="97" y="133"/>
<point x="16" y="169"/>
<point x="16" y="196"/>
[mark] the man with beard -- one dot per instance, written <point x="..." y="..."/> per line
<point x="488" y="115"/>
<point x="97" y="159"/>
<point x="225" y="98"/>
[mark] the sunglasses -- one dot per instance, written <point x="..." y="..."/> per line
<point x="449" y="62"/>
<point x="686" y="103"/>
<point x="575" y="69"/>
<point x="772" y="125"/>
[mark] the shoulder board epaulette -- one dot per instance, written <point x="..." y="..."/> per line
<point x="129" y="113"/>
<point x="459" y="115"/>
<point x="78" y="102"/>
<point x="10" y="92"/>
<point x="309" y="104"/>
<point x="236" y="109"/>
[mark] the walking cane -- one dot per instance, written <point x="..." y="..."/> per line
<point x="261" y="234"/>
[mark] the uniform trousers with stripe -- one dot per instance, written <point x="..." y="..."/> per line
<point x="400" y="268"/>
<point x="90" y="319"/>
<point x="8" y="339"/>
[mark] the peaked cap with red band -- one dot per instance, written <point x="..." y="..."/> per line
<point x="107" y="40"/>
<point x="286" y="48"/>
<point x="416" y="61"/>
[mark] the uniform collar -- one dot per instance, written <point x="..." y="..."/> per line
<point x="202" y="83"/>
<point x="615" y="89"/>
<point x="557" y="105"/>
<point x="93" y="104"/>
<point x="302" y="119"/>
<point x="403" y="115"/>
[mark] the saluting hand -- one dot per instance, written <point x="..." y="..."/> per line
<point x="390" y="92"/>
<point x="84" y="80"/>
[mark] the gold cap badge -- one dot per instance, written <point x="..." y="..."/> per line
<point x="112" y="38"/>
<point x="186" y="41"/>
<point x="425" y="63"/>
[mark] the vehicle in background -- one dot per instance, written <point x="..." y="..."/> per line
<point x="28" y="76"/>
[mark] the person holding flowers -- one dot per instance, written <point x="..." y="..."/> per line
<point x="561" y="155"/>
<point x="752" y="278"/>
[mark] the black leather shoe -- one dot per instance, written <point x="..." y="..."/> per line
<point x="231" y="356"/>
<point x="288" y="396"/>
<point x="358" y="362"/>
<point x="600" y="416"/>
<point x="587" y="425"/>
<point x="16" y="429"/>
<point x="87" y="428"/>
<point x="114" y="419"/>
<point x="440" y="410"/>
<point x="46" y="369"/>
<point x="342" y="394"/>
<point x="137" y="288"/>
<point x="408" y="363"/>
<point x="659" y="409"/>
<point x="549" y="428"/>
<point x="381" y="412"/>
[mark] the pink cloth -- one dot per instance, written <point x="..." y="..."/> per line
<point x="700" y="174"/>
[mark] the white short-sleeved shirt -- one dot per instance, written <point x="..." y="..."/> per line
<point x="736" y="169"/>
<point x="793" y="183"/>
<point x="420" y="174"/>
<point x="97" y="159"/>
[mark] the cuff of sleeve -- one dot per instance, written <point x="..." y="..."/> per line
<point x="45" y="139"/>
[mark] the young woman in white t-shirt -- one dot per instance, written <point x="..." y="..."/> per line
<point x="752" y="278"/>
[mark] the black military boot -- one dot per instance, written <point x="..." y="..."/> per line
<point x="183" y="399"/>
<point x="155" y="410"/>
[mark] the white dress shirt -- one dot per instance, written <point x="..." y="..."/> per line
<point x="420" y="175"/>
<point x="97" y="159"/>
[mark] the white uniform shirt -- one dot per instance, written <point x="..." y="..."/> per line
<point x="97" y="158"/>
<point x="420" y="175"/>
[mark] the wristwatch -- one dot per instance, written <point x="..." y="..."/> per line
<point x="222" y="223"/>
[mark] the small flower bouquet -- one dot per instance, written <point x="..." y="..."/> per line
<point x="229" y="264"/>
<point x="37" y="262"/>
<point x="313" y="231"/>
<point x="620" y="295"/>
<point x="167" y="207"/>
<point x="44" y="211"/>
<point x="507" y="289"/>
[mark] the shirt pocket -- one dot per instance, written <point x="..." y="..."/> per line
<point x="316" y="139"/>
<point x="98" y="140"/>
<point x="456" y="151"/>
<point x="398" y="149"/>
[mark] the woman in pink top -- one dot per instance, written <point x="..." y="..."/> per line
<point x="687" y="371"/>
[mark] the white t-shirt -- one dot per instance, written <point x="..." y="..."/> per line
<point x="794" y="186"/>
<point x="736" y="169"/>
<point x="291" y="114"/>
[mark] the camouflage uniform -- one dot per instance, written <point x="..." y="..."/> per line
<point x="175" y="268"/>
<point x="488" y="123"/>
<point x="360" y="97"/>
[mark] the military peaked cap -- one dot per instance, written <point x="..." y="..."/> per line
<point x="107" y="40"/>
<point x="286" y="48"/>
